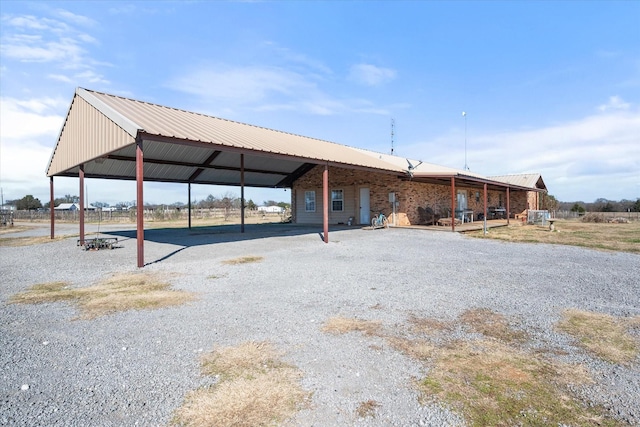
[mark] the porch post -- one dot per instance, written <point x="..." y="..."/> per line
<point x="140" y="202"/>
<point x="81" y="213"/>
<point x="52" y="213"/>
<point x="241" y="193"/>
<point x="484" y="228"/>
<point x="189" y="203"/>
<point x="325" y="202"/>
<point x="453" y="204"/>
<point x="508" y="206"/>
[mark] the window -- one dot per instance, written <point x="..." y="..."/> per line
<point x="309" y="201"/>
<point x="337" y="200"/>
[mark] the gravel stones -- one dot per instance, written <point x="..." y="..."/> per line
<point x="135" y="367"/>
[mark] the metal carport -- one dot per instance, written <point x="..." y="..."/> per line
<point x="111" y="137"/>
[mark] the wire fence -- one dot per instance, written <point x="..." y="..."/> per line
<point x="149" y="215"/>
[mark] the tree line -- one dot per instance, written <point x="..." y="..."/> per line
<point x="226" y="201"/>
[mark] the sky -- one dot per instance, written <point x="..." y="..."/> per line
<point x="547" y="87"/>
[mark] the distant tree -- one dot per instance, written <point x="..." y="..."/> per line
<point x="577" y="208"/>
<point x="270" y="203"/>
<point x="68" y="198"/>
<point x="284" y="205"/>
<point x="636" y="206"/>
<point x="100" y="205"/>
<point x="549" y="202"/>
<point x="608" y="207"/>
<point x="28" y="203"/>
<point x="251" y="205"/>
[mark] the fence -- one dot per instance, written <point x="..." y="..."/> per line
<point x="130" y="215"/>
<point x="630" y="216"/>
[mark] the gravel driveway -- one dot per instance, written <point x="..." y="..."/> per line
<point x="134" y="368"/>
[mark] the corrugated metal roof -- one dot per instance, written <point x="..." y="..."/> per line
<point x="100" y="131"/>
<point x="529" y="180"/>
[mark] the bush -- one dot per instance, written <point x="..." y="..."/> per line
<point x="594" y="217"/>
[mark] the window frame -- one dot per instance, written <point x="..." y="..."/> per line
<point x="307" y="202"/>
<point x="341" y="200"/>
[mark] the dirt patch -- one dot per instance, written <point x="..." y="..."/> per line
<point x="122" y="292"/>
<point x="255" y="388"/>
<point x="342" y="325"/>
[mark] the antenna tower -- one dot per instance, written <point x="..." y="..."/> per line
<point x="393" y="125"/>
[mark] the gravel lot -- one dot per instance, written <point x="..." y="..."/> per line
<point x="134" y="368"/>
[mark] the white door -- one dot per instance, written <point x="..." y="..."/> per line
<point x="364" y="206"/>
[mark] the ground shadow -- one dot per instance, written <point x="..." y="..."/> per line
<point x="207" y="235"/>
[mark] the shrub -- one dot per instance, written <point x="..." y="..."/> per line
<point x="594" y="217"/>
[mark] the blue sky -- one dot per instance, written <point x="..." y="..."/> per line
<point x="548" y="87"/>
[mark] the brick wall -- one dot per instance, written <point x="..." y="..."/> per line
<point x="409" y="194"/>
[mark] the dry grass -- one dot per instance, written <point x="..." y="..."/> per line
<point x="243" y="260"/>
<point x="367" y="408"/>
<point x="34" y="240"/>
<point x="255" y="389"/>
<point x="14" y="229"/>
<point x="615" y="237"/>
<point x="342" y="325"/>
<point x="491" y="324"/>
<point x="122" y="292"/>
<point x="489" y="380"/>
<point x="602" y="335"/>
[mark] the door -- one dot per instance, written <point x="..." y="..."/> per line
<point x="365" y="208"/>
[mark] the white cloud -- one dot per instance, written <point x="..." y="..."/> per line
<point x="28" y="38"/>
<point x="29" y="119"/>
<point x="370" y="75"/>
<point x="615" y="103"/>
<point x="596" y="156"/>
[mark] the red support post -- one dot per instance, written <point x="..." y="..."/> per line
<point x="241" y="193"/>
<point x="189" y="203"/>
<point x="508" y="206"/>
<point x="51" y="211"/>
<point x="81" y="176"/>
<point x="140" y="202"/>
<point x="325" y="202"/>
<point x="453" y="204"/>
<point x="485" y="208"/>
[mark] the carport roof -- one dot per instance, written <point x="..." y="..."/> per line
<point x="101" y="130"/>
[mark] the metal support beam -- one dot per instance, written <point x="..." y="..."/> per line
<point x="81" y="176"/>
<point x="241" y="193"/>
<point x="189" y="203"/>
<point x="484" y="228"/>
<point x="325" y="202"/>
<point x="453" y="204"/>
<point x="52" y="212"/>
<point x="508" y="206"/>
<point x="140" y="202"/>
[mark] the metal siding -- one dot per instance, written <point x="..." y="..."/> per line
<point x="87" y="134"/>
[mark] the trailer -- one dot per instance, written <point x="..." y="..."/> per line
<point x="98" y="243"/>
